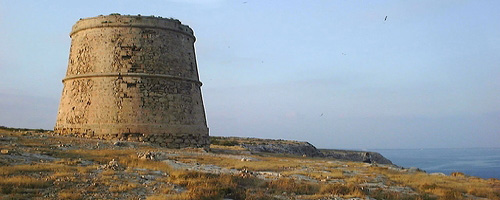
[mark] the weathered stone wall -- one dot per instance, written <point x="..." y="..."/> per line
<point x="133" y="78"/>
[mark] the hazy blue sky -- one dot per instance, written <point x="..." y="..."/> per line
<point x="334" y="73"/>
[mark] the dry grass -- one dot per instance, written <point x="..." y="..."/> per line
<point x="259" y="195"/>
<point x="445" y="187"/>
<point x="235" y="148"/>
<point x="391" y="195"/>
<point x="337" y="190"/>
<point x="123" y="187"/>
<point x="126" y="157"/>
<point x="133" y="161"/>
<point x="318" y="175"/>
<point x="99" y="155"/>
<point x="183" y="196"/>
<point x="108" y="173"/>
<point x="61" y="174"/>
<point x="69" y="194"/>
<point x="490" y="193"/>
<point x="292" y="186"/>
<point x="212" y="186"/>
<point x="24" y="181"/>
<point x="276" y="164"/>
<point x="20" y="185"/>
<point x="204" y="185"/>
<point x="41" y="167"/>
<point x="22" y="169"/>
<point x="51" y="171"/>
<point x="345" y="190"/>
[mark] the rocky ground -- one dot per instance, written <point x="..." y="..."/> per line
<point x="40" y="165"/>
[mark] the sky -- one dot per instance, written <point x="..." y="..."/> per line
<point x="338" y="74"/>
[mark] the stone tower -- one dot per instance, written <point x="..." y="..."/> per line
<point x="133" y="78"/>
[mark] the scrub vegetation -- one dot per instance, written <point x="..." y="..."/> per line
<point x="39" y="165"/>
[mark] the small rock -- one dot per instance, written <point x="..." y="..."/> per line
<point x="245" y="173"/>
<point x="457" y="174"/>
<point x="4" y="151"/>
<point x="119" y="144"/>
<point x="414" y="169"/>
<point x="113" y="165"/>
<point x="245" y="159"/>
<point x="147" y="156"/>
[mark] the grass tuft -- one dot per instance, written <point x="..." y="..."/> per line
<point x="69" y="194"/>
<point x="292" y="186"/>
<point x="17" y="184"/>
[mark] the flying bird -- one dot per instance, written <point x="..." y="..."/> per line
<point x="385" y="18"/>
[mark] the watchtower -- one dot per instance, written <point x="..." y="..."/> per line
<point x="133" y="78"/>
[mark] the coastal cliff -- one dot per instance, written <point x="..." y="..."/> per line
<point x="358" y="156"/>
<point x="299" y="148"/>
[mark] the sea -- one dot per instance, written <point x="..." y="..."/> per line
<point x="480" y="162"/>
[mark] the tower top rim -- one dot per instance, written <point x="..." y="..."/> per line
<point x="117" y="20"/>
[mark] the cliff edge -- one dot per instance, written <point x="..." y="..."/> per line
<point x="299" y="148"/>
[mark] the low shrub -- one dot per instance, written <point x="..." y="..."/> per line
<point x="342" y="190"/>
<point x="292" y="186"/>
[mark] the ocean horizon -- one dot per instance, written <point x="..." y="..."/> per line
<point x="480" y="162"/>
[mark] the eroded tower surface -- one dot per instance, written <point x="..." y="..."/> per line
<point x="133" y="78"/>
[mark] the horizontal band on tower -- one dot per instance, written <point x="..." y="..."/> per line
<point x="116" y="74"/>
<point x="132" y="26"/>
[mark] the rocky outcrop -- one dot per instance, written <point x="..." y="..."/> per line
<point x="298" y="148"/>
<point x="359" y="156"/>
